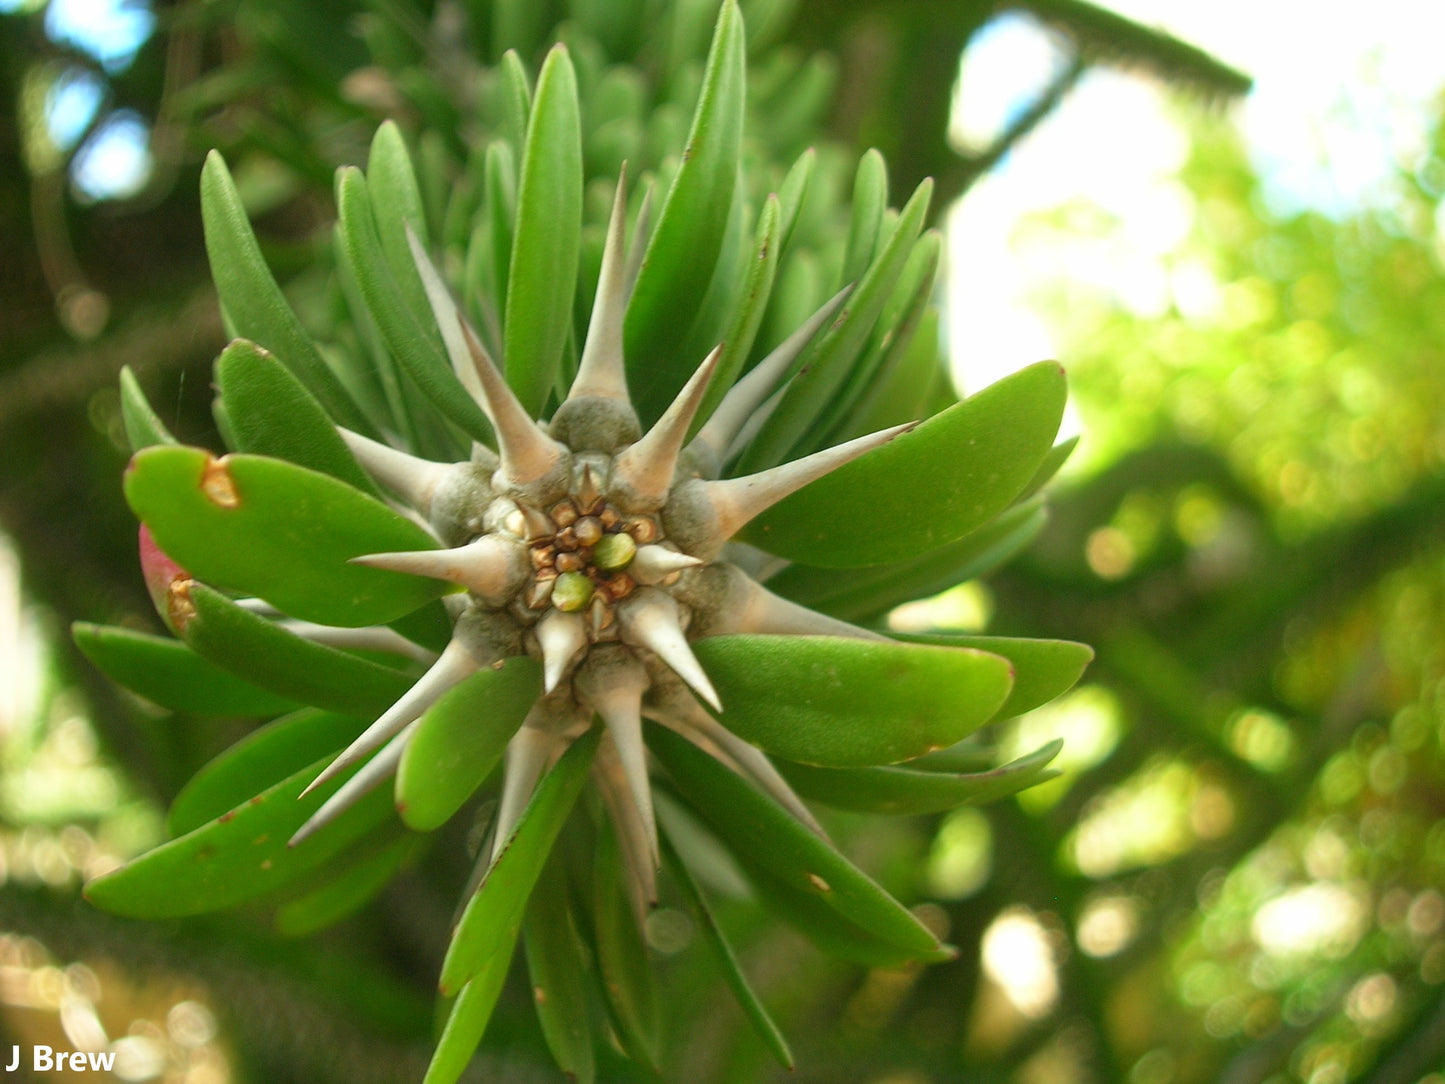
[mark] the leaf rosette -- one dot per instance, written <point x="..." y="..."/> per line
<point x="672" y="580"/>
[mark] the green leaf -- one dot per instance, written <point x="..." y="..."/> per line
<point x="760" y="832"/>
<point x="516" y="93"/>
<point x="859" y="594"/>
<point x="278" y="531"/>
<point x="752" y="303"/>
<point x="412" y="339"/>
<point x="143" y="426"/>
<point x="557" y="967"/>
<point x="824" y="370"/>
<point x="170" y="674"/>
<point x="900" y="388"/>
<point x="239" y="856"/>
<point x="494" y="913"/>
<point x="252" y="301"/>
<point x="962" y="468"/>
<point x="870" y="200"/>
<point x="848" y="703"/>
<point x="712" y="934"/>
<point x="347" y="892"/>
<point x="1043" y="669"/>
<point x="276" y="659"/>
<point x="1057" y="457"/>
<point x="622" y="962"/>
<point x="911" y="790"/>
<point x="273" y="414"/>
<point x="791" y="194"/>
<point x="282" y="747"/>
<point x="684" y="246"/>
<point x="501" y="186"/>
<point x="470" y="1014"/>
<point x="543" y="272"/>
<point x="460" y="739"/>
<point x="826" y="928"/>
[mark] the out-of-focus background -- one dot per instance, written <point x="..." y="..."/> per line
<point x="1239" y="876"/>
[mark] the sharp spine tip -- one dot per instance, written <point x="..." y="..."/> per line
<point x="527" y="453"/>
<point x="646" y="468"/>
<point x="650" y="618"/>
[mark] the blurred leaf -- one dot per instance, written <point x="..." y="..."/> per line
<point x="1042" y="669"/>
<point x="345" y="893"/>
<point x="622" y="959"/>
<point x="557" y="967"/>
<point x="143" y="426"/>
<point x="910" y="790"/>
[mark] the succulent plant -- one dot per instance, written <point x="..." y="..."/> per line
<point x="674" y="581"/>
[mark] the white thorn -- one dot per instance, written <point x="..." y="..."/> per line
<point x="738" y="500"/>
<point x="632" y="831"/>
<point x="448" y="320"/>
<point x="527" y="453"/>
<point x="493" y="566"/>
<point x="561" y="636"/>
<point x="643" y="472"/>
<point x="365" y="780"/>
<point x="413" y="480"/>
<point x="602" y="371"/>
<point x="653" y="563"/>
<point x="649" y="618"/>
<point x="612" y="684"/>
<point x="455" y="664"/>
<point x="680" y="712"/>
<point x="743" y="398"/>
<point x="373" y="638"/>
<point x="726" y="600"/>
<point x="529" y="753"/>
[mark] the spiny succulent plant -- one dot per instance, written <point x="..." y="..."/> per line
<point x="670" y="585"/>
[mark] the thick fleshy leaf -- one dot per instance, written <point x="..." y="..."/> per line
<point x="276" y="659"/>
<point x="1043" y="669"/>
<point x="543" y="272"/>
<point x="412" y="338"/>
<point x="1057" y="457"/>
<point x="253" y="302"/>
<point x="346" y="892"/>
<point x="862" y="594"/>
<point x="848" y="703"/>
<point x="684" y="246"/>
<point x="791" y="194"/>
<point x="870" y="200"/>
<point x="280" y="748"/>
<point x="826" y="368"/>
<point x="516" y="94"/>
<point x="826" y="928"/>
<point x="963" y="466"/>
<point x="169" y="673"/>
<point x="761" y="832"/>
<point x="278" y="531"/>
<point x="470" y="1013"/>
<point x="752" y="303"/>
<point x="494" y="913"/>
<point x="460" y="739"/>
<point x="902" y="386"/>
<point x="716" y="940"/>
<point x="143" y="426"/>
<point x="557" y="967"/>
<point x="396" y="204"/>
<point x="622" y="963"/>
<point x="273" y="414"/>
<point x="910" y="790"/>
<point x="238" y="856"/>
